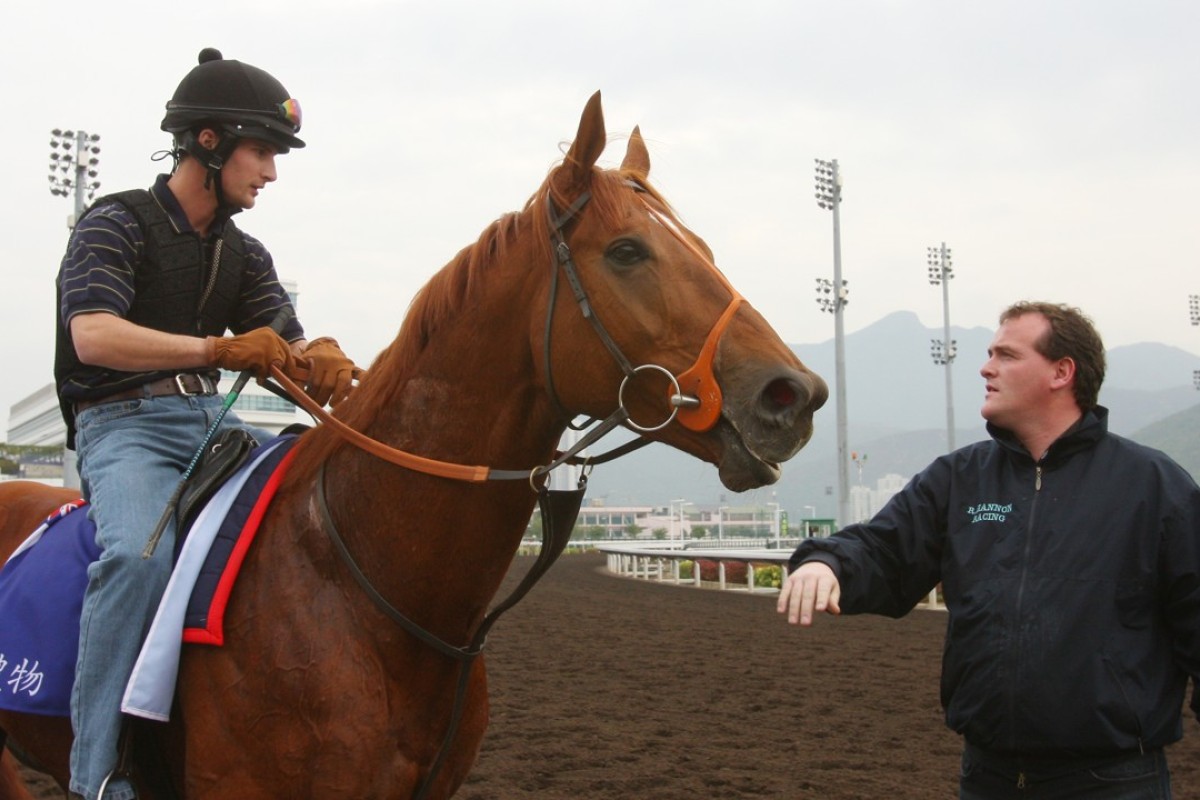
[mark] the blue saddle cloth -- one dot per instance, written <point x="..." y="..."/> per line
<point x="41" y="596"/>
<point x="42" y="587"/>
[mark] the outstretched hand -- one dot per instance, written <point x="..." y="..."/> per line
<point x="812" y="587"/>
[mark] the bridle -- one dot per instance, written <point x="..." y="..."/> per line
<point x="695" y="400"/>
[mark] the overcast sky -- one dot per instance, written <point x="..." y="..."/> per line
<point x="1054" y="146"/>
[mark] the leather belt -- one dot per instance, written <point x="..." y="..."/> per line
<point x="188" y="384"/>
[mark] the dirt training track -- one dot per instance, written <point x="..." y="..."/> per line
<point x="606" y="687"/>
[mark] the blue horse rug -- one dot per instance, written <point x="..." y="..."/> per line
<point x="43" y="583"/>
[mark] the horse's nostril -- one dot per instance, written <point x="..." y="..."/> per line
<point x="780" y="394"/>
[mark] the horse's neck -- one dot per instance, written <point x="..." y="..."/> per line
<point x="472" y="398"/>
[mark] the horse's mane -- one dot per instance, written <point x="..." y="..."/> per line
<point x="451" y="288"/>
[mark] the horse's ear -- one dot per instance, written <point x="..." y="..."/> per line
<point x="637" y="157"/>
<point x="588" y="145"/>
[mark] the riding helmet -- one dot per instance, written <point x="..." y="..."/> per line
<point x="239" y="99"/>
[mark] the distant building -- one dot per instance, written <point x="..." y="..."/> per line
<point x="679" y="521"/>
<point x="598" y="521"/>
<point x="866" y="503"/>
<point x="36" y="420"/>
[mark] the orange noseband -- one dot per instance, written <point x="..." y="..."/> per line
<point x="699" y="395"/>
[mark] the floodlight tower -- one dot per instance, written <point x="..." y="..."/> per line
<point x="83" y="162"/>
<point x="75" y="172"/>
<point x="832" y="296"/>
<point x="1194" y="312"/>
<point x="944" y="350"/>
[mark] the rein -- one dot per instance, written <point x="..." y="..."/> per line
<point x="446" y="469"/>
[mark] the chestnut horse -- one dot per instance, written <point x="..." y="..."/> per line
<point x="317" y="691"/>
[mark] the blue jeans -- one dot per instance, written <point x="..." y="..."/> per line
<point x="1133" y="776"/>
<point x="132" y="455"/>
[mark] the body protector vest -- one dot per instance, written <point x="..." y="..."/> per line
<point x="178" y="288"/>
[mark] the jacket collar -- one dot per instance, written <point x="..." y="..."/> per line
<point x="1086" y="432"/>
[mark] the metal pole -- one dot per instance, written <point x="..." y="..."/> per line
<point x="680" y="501"/>
<point x="85" y="161"/>
<point x="1194" y="315"/>
<point x="945" y="349"/>
<point x="829" y="195"/>
<point x="950" y="351"/>
<point x="81" y="168"/>
<point x="839" y="349"/>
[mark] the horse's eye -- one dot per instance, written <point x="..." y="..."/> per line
<point x="625" y="253"/>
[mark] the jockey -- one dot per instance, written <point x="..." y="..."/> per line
<point x="151" y="282"/>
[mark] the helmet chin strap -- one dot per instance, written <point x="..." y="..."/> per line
<point x="213" y="160"/>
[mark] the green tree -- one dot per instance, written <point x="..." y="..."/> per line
<point x="595" y="532"/>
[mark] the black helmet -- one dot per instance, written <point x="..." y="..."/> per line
<point x="239" y="99"/>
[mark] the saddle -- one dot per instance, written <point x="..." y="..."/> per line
<point x="224" y="456"/>
<point x="228" y="451"/>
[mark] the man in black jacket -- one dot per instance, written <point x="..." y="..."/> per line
<point x="1070" y="564"/>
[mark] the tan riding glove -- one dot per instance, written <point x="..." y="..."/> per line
<point x="328" y="373"/>
<point x="256" y="350"/>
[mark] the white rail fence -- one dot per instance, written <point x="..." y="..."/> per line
<point x="665" y="564"/>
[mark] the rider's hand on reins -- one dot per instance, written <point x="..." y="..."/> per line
<point x="326" y="372"/>
<point x="255" y="350"/>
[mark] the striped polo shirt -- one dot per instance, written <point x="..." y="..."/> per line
<point x="104" y="252"/>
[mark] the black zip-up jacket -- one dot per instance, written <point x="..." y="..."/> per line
<point x="1072" y="584"/>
